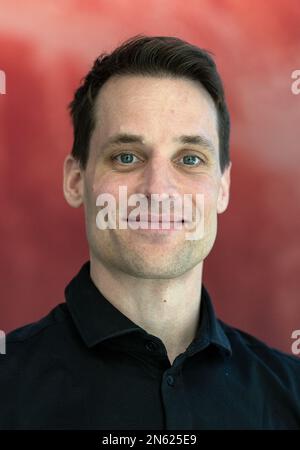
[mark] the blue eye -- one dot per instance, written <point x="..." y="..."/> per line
<point x="126" y="158"/>
<point x="189" y="159"/>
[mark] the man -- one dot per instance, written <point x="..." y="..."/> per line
<point x="137" y="344"/>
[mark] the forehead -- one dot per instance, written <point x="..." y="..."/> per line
<point x="157" y="107"/>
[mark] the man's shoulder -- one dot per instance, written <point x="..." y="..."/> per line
<point x="248" y="347"/>
<point x="29" y="331"/>
<point x="37" y="336"/>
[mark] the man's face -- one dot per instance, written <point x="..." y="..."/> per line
<point x="160" y="110"/>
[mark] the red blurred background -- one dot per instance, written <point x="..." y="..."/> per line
<point x="47" y="47"/>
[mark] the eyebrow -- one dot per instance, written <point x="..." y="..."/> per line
<point x="127" y="138"/>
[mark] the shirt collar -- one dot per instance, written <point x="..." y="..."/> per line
<point x="97" y="319"/>
<point x="210" y="330"/>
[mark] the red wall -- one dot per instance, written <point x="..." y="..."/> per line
<point x="46" y="47"/>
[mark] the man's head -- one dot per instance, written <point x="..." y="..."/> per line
<point x="160" y="102"/>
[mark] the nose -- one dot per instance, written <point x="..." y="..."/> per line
<point x="161" y="185"/>
<point x="159" y="179"/>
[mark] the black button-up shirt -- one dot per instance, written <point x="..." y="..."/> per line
<point x="87" y="366"/>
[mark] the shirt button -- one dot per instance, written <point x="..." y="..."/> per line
<point x="170" y="380"/>
<point x="151" y="346"/>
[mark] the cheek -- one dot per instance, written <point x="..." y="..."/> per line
<point x="104" y="186"/>
<point x="210" y="200"/>
<point x="210" y="211"/>
<point x="103" y="194"/>
<point x="208" y="194"/>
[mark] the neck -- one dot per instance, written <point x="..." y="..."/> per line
<point x="166" y="308"/>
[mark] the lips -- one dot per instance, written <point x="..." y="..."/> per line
<point x="156" y="219"/>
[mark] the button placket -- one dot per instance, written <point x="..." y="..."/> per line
<point x="170" y="380"/>
<point x="176" y="405"/>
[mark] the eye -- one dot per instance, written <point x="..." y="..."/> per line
<point x="191" y="160"/>
<point x="126" y="158"/>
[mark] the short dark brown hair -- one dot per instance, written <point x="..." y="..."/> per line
<point x="148" y="56"/>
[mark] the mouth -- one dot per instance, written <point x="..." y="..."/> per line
<point x="152" y="219"/>
<point x="156" y="225"/>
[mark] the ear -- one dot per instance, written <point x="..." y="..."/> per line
<point x="73" y="182"/>
<point x="223" y="195"/>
